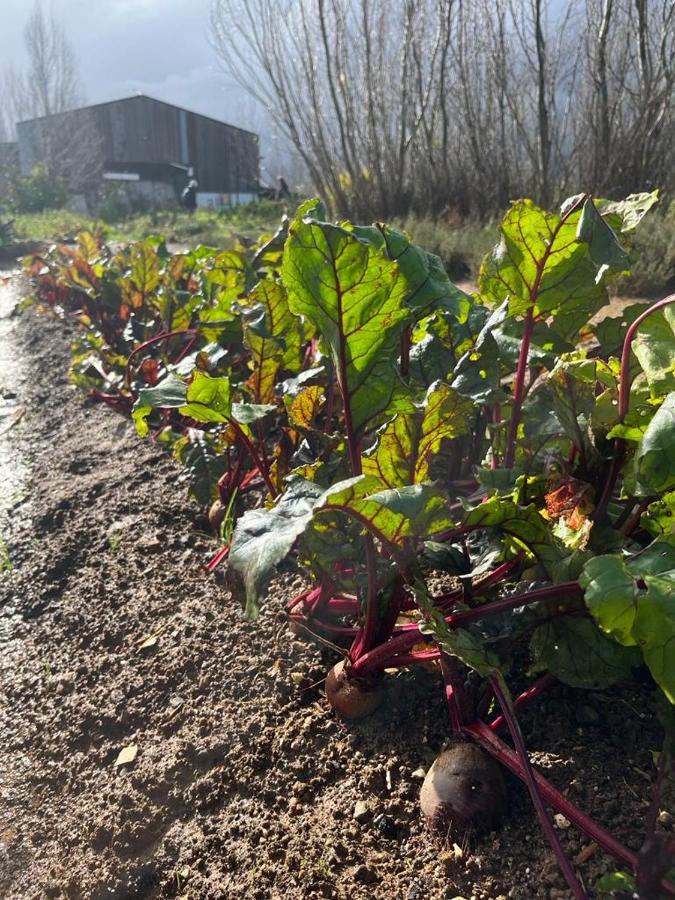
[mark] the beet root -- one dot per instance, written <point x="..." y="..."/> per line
<point x="351" y="697"/>
<point x="216" y="515"/>
<point x="463" y="789"/>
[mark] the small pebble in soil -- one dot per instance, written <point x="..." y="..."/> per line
<point x="361" y="812"/>
<point x="386" y="826"/>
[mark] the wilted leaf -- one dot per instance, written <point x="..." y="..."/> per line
<point x="264" y="537"/>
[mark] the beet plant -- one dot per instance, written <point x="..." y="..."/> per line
<point x="343" y="409"/>
<point x="494" y="437"/>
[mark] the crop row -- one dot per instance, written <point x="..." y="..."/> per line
<point x="342" y="408"/>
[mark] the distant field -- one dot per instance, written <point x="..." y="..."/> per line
<point x="204" y="226"/>
<point x="461" y="246"/>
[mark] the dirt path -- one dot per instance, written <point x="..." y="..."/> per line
<point x="244" y="785"/>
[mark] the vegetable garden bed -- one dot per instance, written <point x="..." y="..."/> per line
<point x="344" y="408"/>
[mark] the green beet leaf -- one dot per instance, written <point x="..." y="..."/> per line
<point x="170" y="393"/>
<point x="655" y="457"/>
<point x="208" y="399"/>
<point x="477" y="375"/>
<point x="654" y="631"/>
<point x="575" y="651"/>
<point x="460" y="642"/>
<point x="633" y="601"/>
<point x="654" y="346"/>
<point x="355" y="297"/>
<point x="203" y="464"/>
<point x="248" y="413"/>
<point x="611" y="596"/>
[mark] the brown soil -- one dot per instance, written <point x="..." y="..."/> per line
<point x="244" y="784"/>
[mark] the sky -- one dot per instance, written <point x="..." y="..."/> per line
<point x="156" y="47"/>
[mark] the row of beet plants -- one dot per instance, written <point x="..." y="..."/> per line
<point x="343" y="409"/>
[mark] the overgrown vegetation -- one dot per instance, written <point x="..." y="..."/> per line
<point x="344" y="409"/>
<point x="460" y="244"/>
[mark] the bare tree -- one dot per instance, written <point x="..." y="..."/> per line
<point x="428" y="105"/>
<point x="41" y="97"/>
<point x="50" y="83"/>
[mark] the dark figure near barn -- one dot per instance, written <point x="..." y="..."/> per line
<point x="188" y="197"/>
<point x="282" y="191"/>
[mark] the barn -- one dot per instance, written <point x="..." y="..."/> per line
<point x="149" y="146"/>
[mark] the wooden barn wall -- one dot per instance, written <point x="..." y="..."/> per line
<point x="139" y="130"/>
<point x="225" y="159"/>
<point x="143" y="130"/>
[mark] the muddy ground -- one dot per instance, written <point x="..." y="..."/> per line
<point x="244" y="784"/>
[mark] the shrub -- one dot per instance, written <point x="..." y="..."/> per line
<point x="39" y="191"/>
<point x="653" y="263"/>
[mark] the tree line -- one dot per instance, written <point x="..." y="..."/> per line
<point x="425" y="106"/>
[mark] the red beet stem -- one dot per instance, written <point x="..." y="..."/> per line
<point x="535" y="690"/>
<point x="501" y="693"/>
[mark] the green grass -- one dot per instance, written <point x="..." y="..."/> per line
<point x="461" y="247"/>
<point x="204" y="226"/>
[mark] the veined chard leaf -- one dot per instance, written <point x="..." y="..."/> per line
<point x="303" y="407"/>
<point x="143" y="277"/>
<point x="407" y="445"/>
<point x="524" y="523"/>
<point x="429" y="287"/>
<point x="390" y="515"/>
<point x="272" y="334"/>
<point x="355" y="297"/>
<point x="544" y="263"/>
